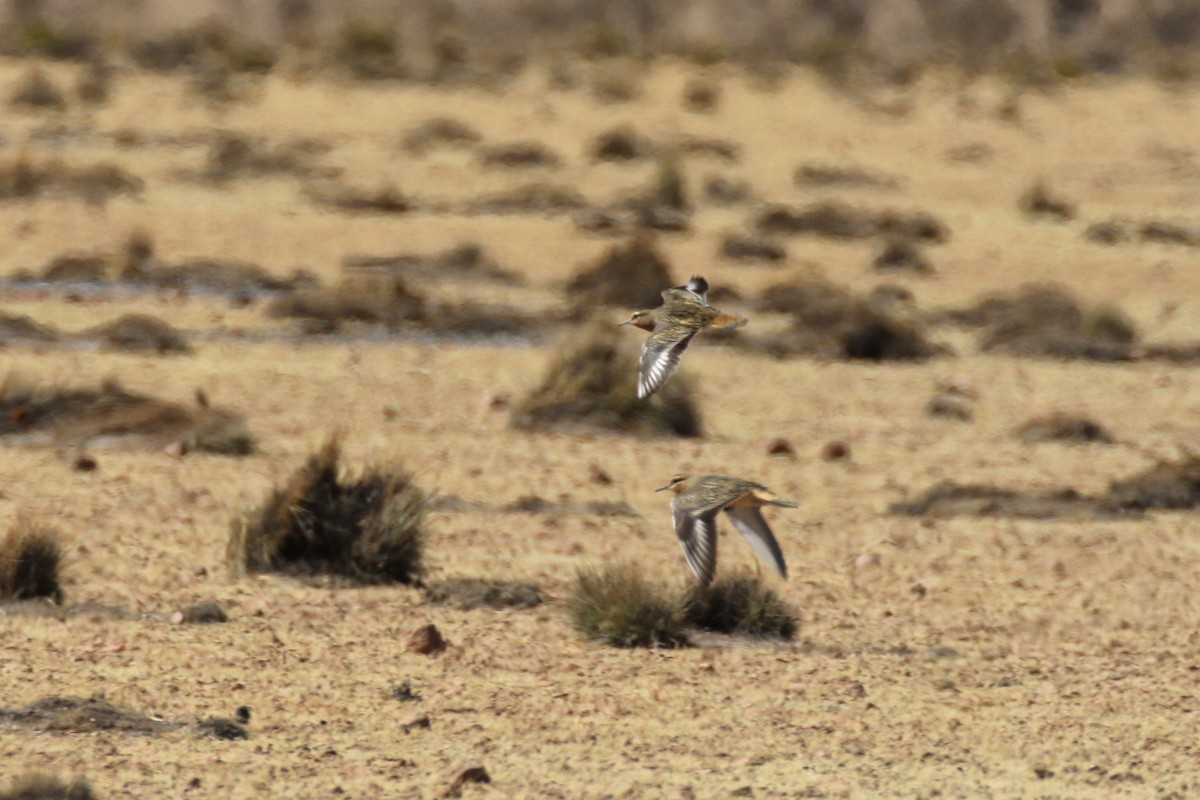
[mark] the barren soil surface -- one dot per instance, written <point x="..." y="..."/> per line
<point x="969" y="657"/>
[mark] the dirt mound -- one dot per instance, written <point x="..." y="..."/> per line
<point x="1123" y="231"/>
<point x="1063" y="428"/>
<point x="469" y="593"/>
<point x="35" y="91"/>
<point x="78" y="417"/>
<point x="42" y="786"/>
<point x="630" y="275"/>
<point x="30" y="559"/>
<point x="367" y="529"/>
<point x="950" y="499"/>
<point x="829" y="321"/>
<point x="1047" y="320"/>
<point x="467" y="261"/>
<point x="138" y="333"/>
<point x="57" y="714"/>
<point x="591" y="385"/>
<point x="519" y="155"/>
<point x="1166" y="485"/>
<point x="838" y="220"/>
<point x="372" y="296"/>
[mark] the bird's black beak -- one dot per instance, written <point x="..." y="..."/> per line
<point x="664" y="488"/>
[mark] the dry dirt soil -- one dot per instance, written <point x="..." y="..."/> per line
<point x="966" y="657"/>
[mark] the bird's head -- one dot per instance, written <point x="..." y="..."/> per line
<point x="679" y="484"/>
<point x="641" y="319"/>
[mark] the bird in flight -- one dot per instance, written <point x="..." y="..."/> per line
<point x="699" y="498"/>
<point x="684" y="313"/>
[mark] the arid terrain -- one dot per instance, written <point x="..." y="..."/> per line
<point x="953" y="655"/>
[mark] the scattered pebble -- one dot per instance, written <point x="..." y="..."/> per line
<point x="426" y="640"/>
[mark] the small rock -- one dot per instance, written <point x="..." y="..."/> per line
<point x="404" y="693"/>
<point x="867" y="560"/>
<point x="918" y="589"/>
<point x="780" y="448"/>
<point x="202" y="614"/>
<point x="949" y="406"/>
<point x="1043" y="772"/>
<point x="493" y="401"/>
<point x="426" y="640"/>
<point x="84" y="463"/>
<point x="200" y="571"/>
<point x="835" y="451"/>
<point x="474" y="773"/>
<point x="390" y="413"/>
<point x="176" y="449"/>
<point x="417" y="719"/>
<point x="599" y="475"/>
<point x="243" y="714"/>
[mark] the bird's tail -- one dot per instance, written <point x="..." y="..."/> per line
<point x="724" y="320"/>
<point x="770" y="498"/>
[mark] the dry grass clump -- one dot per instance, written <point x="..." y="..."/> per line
<point x="440" y="132"/>
<point x="1047" y="320"/>
<point x="30" y="560"/>
<point x="591" y="384"/>
<point x="222" y="276"/>
<point x="1061" y="427"/>
<point x="35" y="90"/>
<point x="43" y="786"/>
<point x="1123" y="231"/>
<point x="139" y="333"/>
<point x="203" y="47"/>
<point x="368" y="51"/>
<point x="630" y="275"/>
<point x="1039" y="202"/>
<point x="471" y="593"/>
<point x="366" y="528"/>
<point x="76" y="268"/>
<point x="723" y="191"/>
<point x="233" y="155"/>
<point x="837" y="220"/>
<point x="740" y="603"/>
<point x="531" y="198"/>
<point x="377" y="299"/>
<point x="56" y="416"/>
<point x="809" y="176"/>
<point x="21" y="328"/>
<point x="701" y="96"/>
<point x="519" y="155"/>
<point x="23" y="178"/>
<point x="622" y="143"/>
<point x="615" y="604"/>
<point x="385" y="199"/>
<point x="751" y="247"/>
<point x="901" y="255"/>
<point x="829" y="321"/>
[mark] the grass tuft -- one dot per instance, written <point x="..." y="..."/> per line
<point x="615" y="604"/>
<point x="320" y="522"/>
<point x="30" y="559"/>
<point x="740" y="603"/>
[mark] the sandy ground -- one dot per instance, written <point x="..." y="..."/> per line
<point x="968" y="657"/>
